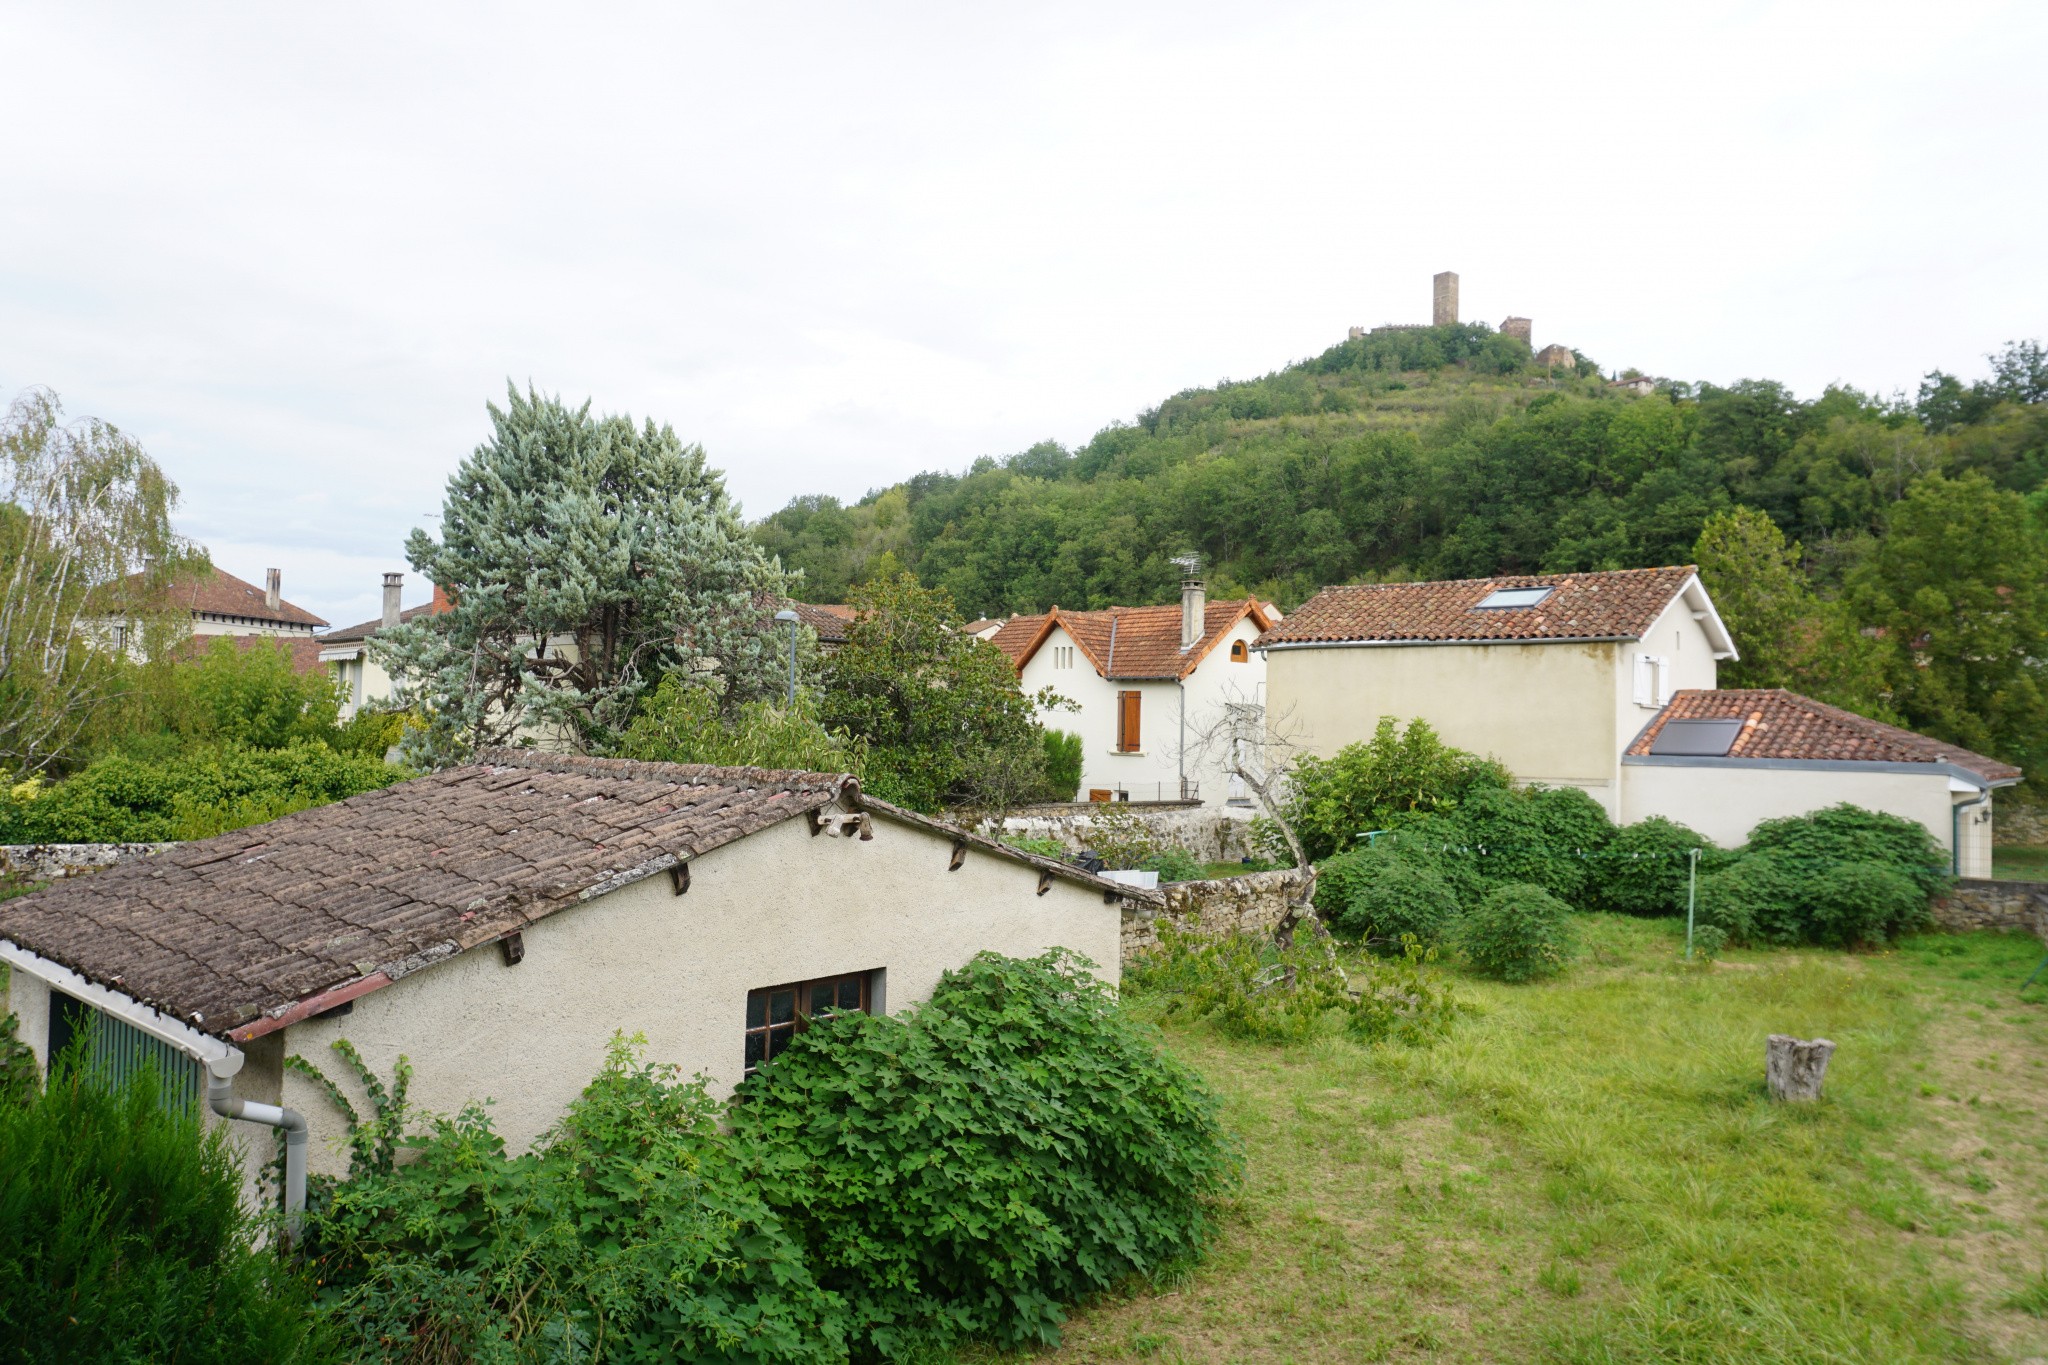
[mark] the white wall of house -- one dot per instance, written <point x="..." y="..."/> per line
<point x="1674" y="654"/>
<point x="1154" y="772"/>
<point x="776" y="907"/>
<point x="1725" y="803"/>
<point x="361" y="679"/>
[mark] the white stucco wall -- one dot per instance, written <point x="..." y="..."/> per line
<point x="780" y="906"/>
<point x="1724" y="804"/>
<point x="1154" y="772"/>
<point x="1681" y="642"/>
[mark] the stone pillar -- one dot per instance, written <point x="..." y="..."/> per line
<point x="1445" y="311"/>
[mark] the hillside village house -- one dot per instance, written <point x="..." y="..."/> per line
<point x="217" y="603"/>
<point x="357" y="673"/>
<point x="1606" y="681"/>
<point x="497" y="923"/>
<point x="1719" y="762"/>
<point x="1149" y="683"/>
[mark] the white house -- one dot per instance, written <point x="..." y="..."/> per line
<point x="1150" y="683"/>
<point x="1720" y="762"/>
<point x="357" y="672"/>
<point x="215" y="603"/>
<point x="496" y="924"/>
<point x="1553" y="674"/>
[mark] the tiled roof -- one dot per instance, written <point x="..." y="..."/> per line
<point x="828" y="619"/>
<point x="1129" y="642"/>
<point x="1617" y="605"/>
<point x="1785" y="725"/>
<point x="235" y="934"/>
<point x="304" y="649"/>
<point x="368" y="628"/>
<point x="223" y="594"/>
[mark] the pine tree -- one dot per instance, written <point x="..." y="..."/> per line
<point x="585" y="558"/>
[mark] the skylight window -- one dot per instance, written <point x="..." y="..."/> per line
<point x="1501" y="599"/>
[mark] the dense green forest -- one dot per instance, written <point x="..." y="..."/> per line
<point x="1882" y="553"/>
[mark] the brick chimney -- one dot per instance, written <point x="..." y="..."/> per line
<point x="393" y="582"/>
<point x="1193" y="603"/>
<point x="442" y="602"/>
<point x="273" y="588"/>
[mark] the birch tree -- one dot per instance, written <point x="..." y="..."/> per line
<point x="86" y="550"/>
<point x="586" y="558"/>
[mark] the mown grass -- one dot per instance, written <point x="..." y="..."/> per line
<point x="2020" y="862"/>
<point x="1589" y="1170"/>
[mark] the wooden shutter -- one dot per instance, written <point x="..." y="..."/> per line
<point x="1127" y="722"/>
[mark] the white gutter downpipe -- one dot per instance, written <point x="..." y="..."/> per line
<point x="220" y="1097"/>
<point x="1955" y="830"/>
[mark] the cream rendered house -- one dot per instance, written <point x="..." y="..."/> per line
<point x="1555" y="675"/>
<point x="497" y="923"/>
<point x="1150" y="683"/>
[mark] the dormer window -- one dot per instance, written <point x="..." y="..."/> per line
<point x="1240" y="652"/>
<point x="1506" y="599"/>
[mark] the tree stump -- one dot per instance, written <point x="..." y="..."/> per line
<point x="1795" y="1067"/>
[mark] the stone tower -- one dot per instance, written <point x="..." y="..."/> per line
<point x="1446" y="299"/>
<point x="1520" y="328"/>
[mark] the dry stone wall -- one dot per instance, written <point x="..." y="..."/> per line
<point x="1253" y="904"/>
<point x="53" y="862"/>
<point x="1980" y="903"/>
<point x="2014" y="823"/>
<point x="1211" y="836"/>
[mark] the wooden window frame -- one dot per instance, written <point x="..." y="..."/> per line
<point x="1240" y="653"/>
<point x="1130" y="721"/>
<point x="776" y="1031"/>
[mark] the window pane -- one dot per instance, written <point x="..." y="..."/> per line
<point x="779" y="1038"/>
<point x="757" y="1008"/>
<point x="757" y="1049"/>
<point x="849" y="993"/>
<point x="821" y="997"/>
<point x="782" y="1006"/>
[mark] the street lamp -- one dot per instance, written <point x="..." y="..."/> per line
<point x="787" y="615"/>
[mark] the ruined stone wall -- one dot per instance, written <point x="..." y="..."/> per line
<point x="1520" y="328"/>
<point x="51" y="862"/>
<point x="1555" y="355"/>
<point x="1980" y="903"/>
<point x="1211" y="836"/>
<point x="1251" y="904"/>
<point x="1444" y="299"/>
<point x="2013" y="823"/>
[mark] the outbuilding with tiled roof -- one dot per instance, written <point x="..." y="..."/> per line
<point x="1721" y="761"/>
<point x="497" y="923"/>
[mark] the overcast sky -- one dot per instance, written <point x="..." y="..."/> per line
<point x="296" y="251"/>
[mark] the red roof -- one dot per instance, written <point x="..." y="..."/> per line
<point x="1785" y="725"/>
<point x="220" y="593"/>
<point x="1619" y="604"/>
<point x="1129" y="642"/>
<point x="369" y="628"/>
<point x="828" y="619"/>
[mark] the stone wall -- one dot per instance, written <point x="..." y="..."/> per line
<point x="1211" y="835"/>
<point x="51" y="862"/>
<point x="1253" y="903"/>
<point x="1980" y="903"/>
<point x="1443" y="299"/>
<point x="2014" y="823"/>
<point x="1520" y="328"/>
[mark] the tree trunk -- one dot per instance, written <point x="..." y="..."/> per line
<point x="1794" y="1067"/>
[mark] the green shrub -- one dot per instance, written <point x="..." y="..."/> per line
<point x="969" y="1167"/>
<point x="1398" y="899"/>
<point x="20" y="1077"/>
<point x="1518" y="932"/>
<point x="1062" y="764"/>
<point x="122" y="1236"/>
<point x="1575" y="833"/>
<point x="1856" y="903"/>
<point x="192" y="795"/>
<point x="1645" y="869"/>
<point x="1175" y="865"/>
<point x="1849" y="834"/>
<point x="1756" y="898"/>
<point x="1044" y="848"/>
<point x="688" y="720"/>
<point x="1377" y="783"/>
<point x="1444" y="845"/>
<point x="628" y="1234"/>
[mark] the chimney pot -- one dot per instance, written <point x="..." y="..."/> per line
<point x="393" y="582"/>
<point x="273" y="588"/>
<point x="1193" y="608"/>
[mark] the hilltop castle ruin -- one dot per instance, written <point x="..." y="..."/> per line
<point x="1443" y="312"/>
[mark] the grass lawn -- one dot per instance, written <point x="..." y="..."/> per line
<point x="1588" y="1170"/>
<point x="2020" y="862"/>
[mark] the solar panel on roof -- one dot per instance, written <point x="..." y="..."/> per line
<point x="1696" y="738"/>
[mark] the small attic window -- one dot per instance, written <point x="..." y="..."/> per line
<point x="1696" y="738"/>
<point x="1502" y="599"/>
<point x="1238" y="653"/>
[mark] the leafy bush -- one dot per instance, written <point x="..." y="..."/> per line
<point x="1399" y="900"/>
<point x="1062" y="764"/>
<point x="1518" y="932"/>
<point x="20" y="1077"/>
<point x="1239" y="984"/>
<point x="685" y="721"/>
<point x="1044" y="848"/>
<point x="970" y="1166"/>
<point x="1374" y="784"/>
<point x="1646" y="869"/>
<point x="1444" y="845"/>
<point x="1854" y="903"/>
<point x="1850" y="834"/>
<point x="194" y="795"/>
<point x="1175" y="865"/>
<point x="122" y="1236"/>
<point x="627" y="1234"/>
<point x="1756" y="898"/>
<point x="1841" y="877"/>
<point x="1575" y="833"/>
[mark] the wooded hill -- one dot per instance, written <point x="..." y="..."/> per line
<point x="1416" y="453"/>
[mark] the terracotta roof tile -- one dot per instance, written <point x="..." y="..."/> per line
<point x="828" y="619"/>
<point x="365" y="630"/>
<point x="232" y="932"/>
<point x="222" y="594"/>
<point x="1785" y="725"/>
<point x="1615" y="605"/>
<point x="1132" y="643"/>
